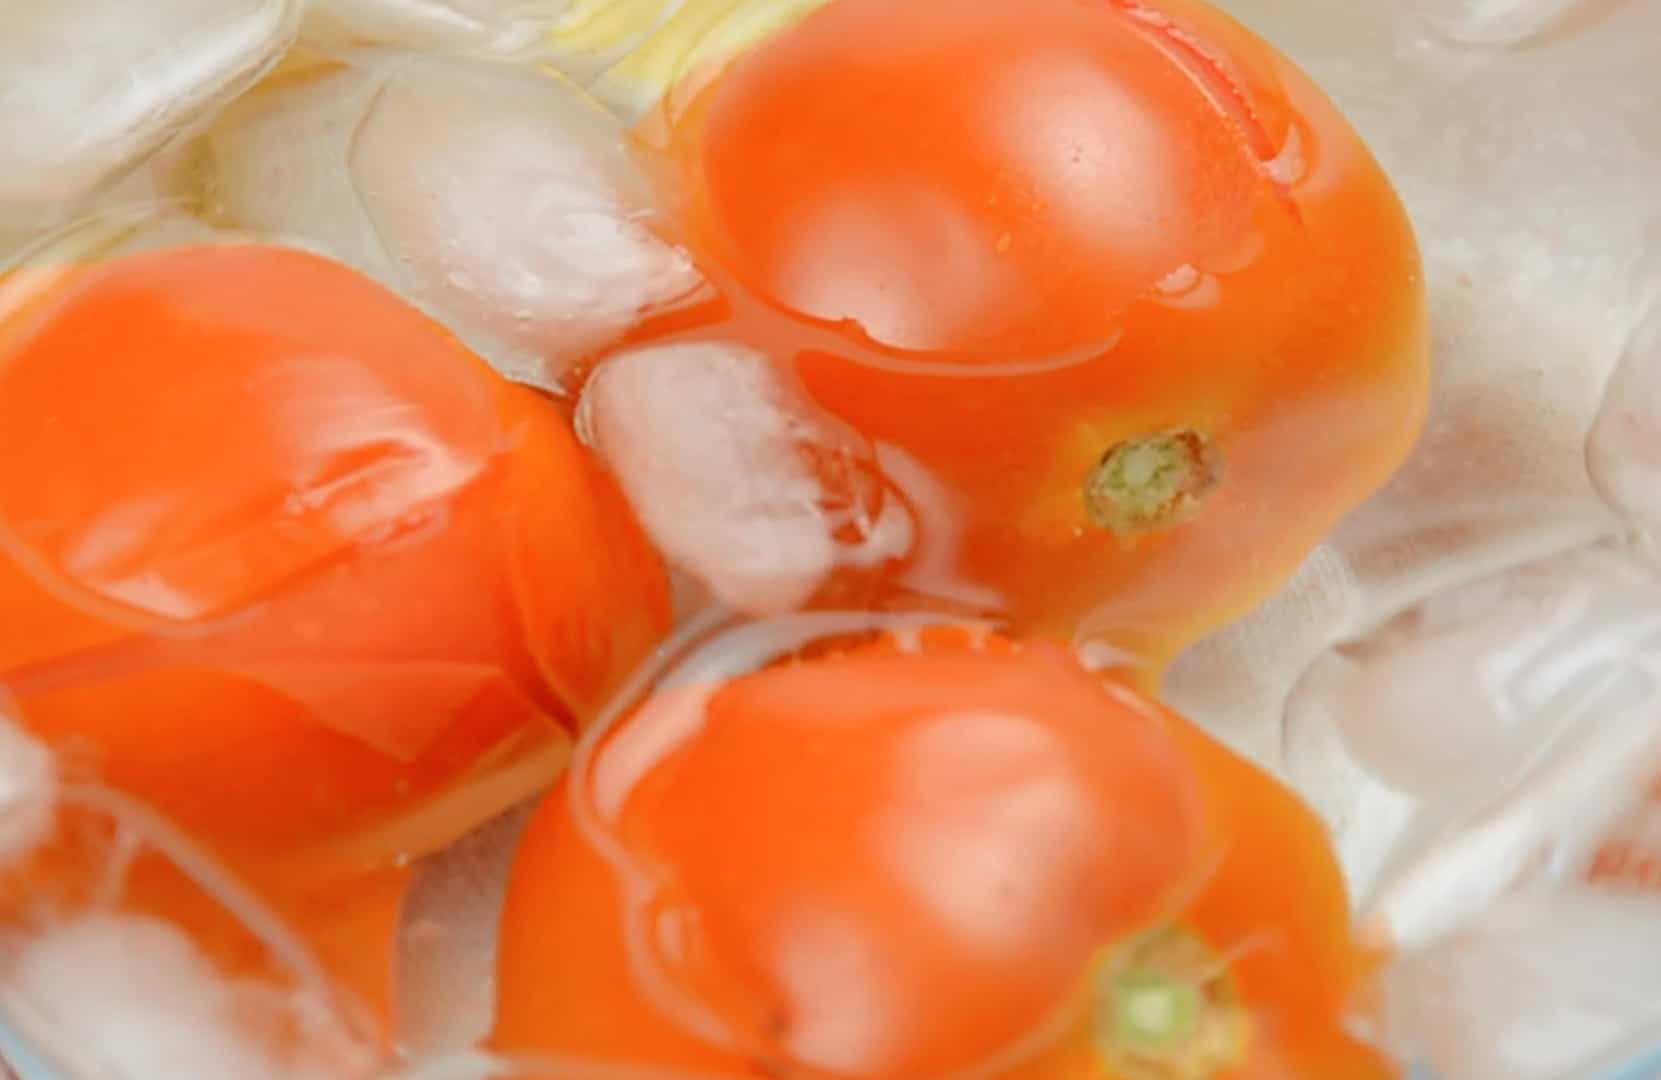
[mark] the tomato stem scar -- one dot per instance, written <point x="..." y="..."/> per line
<point x="1165" y="1009"/>
<point x="1152" y="482"/>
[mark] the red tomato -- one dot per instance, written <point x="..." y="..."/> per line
<point x="959" y="856"/>
<point x="281" y="557"/>
<point x="1112" y="272"/>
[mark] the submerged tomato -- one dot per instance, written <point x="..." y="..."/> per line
<point x="944" y="856"/>
<point x="280" y="557"/>
<point x="1112" y="272"/>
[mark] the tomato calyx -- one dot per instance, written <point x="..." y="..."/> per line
<point x="1152" y="482"/>
<point x="1165" y="1008"/>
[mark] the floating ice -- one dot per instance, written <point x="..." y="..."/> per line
<point x="1503" y="22"/>
<point x="27" y="782"/>
<point x="1624" y="452"/>
<point x="501" y="200"/>
<point x="737" y="477"/>
<point x="92" y="86"/>
<point x="1489" y="736"/>
<point x="1545" y="986"/>
<point x="129" y="996"/>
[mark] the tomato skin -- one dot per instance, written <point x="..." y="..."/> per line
<point x="1022" y="235"/>
<point x="282" y="558"/>
<point x="759" y="810"/>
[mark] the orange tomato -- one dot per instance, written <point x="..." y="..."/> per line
<point x="280" y="557"/>
<point x="933" y="857"/>
<point x="1113" y="272"/>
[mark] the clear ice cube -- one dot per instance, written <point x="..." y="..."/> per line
<point x="90" y="87"/>
<point x="1491" y="735"/>
<point x="1624" y="451"/>
<point x="501" y="200"/>
<point x="1561" y="985"/>
<point x="739" y="479"/>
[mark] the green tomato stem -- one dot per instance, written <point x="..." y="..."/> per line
<point x="1152" y="482"/>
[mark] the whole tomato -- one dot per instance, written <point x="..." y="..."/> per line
<point x="1110" y="273"/>
<point x="938" y="854"/>
<point x="281" y="558"/>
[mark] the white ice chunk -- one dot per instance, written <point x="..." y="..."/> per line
<point x="1546" y="986"/>
<point x="129" y="996"/>
<point x="28" y="780"/>
<point x="1624" y="452"/>
<point x="502" y="201"/>
<point x="445" y="985"/>
<point x="1491" y="733"/>
<point x="92" y="86"/>
<point x="1500" y="22"/>
<point x="736" y="476"/>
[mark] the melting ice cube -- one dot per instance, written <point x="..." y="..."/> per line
<point x="1545" y="986"/>
<point x="1502" y="22"/>
<point x="1486" y="737"/>
<point x="1624" y="451"/>
<point x="92" y="86"/>
<point x="501" y="200"/>
<point x="128" y="995"/>
<point x="735" y="474"/>
<point x="27" y="781"/>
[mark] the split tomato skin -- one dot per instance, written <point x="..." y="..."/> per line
<point x="925" y="857"/>
<point x="1117" y="274"/>
<point x="281" y="557"/>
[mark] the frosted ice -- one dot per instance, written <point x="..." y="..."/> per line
<point x="736" y="476"/>
<point x="501" y="200"/>
<point x="1489" y="735"/>
<point x="28" y="780"/>
<point x="130" y="996"/>
<point x="1502" y="22"/>
<point x="90" y="87"/>
<point x="1624" y="453"/>
<point x="1546" y="986"/>
<point x="447" y="944"/>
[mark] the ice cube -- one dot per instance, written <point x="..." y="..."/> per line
<point x="1545" y="986"/>
<point x="445" y="992"/>
<point x="28" y="779"/>
<point x="502" y="201"/>
<point x="1500" y="22"/>
<point x="1624" y="451"/>
<point x="92" y="86"/>
<point x="129" y="995"/>
<point x="1491" y="733"/>
<point x="739" y="479"/>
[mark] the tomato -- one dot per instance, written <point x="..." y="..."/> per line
<point x="1112" y="272"/>
<point x="280" y="557"/>
<point x="944" y="855"/>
